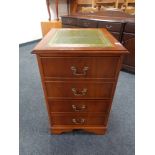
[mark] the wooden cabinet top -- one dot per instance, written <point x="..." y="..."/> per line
<point x="112" y="16"/>
<point x="79" y="40"/>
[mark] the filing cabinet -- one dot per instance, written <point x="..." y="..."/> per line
<point x="79" y="77"/>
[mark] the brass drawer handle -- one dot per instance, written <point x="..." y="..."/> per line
<point x="74" y="69"/>
<point x="78" y="109"/>
<point x="77" y="93"/>
<point x="78" y="121"/>
<point x="108" y="26"/>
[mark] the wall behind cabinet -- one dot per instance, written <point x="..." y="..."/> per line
<point x="32" y="12"/>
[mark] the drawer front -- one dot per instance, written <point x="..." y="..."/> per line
<point x="77" y="67"/>
<point x="78" y="119"/>
<point x="111" y="26"/>
<point x="87" y="23"/>
<point x="75" y="90"/>
<point x="130" y="28"/>
<point x="69" y="21"/>
<point x="79" y="105"/>
<point x="69" y="26"/>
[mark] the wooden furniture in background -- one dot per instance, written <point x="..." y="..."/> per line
<point x="46" y="26"/>
<point x="56" y="8"/>
<point x="96" y="3"/>
<point x="128" y="41"/>
<point x="119" y="3"/>
<point x="105" y="3"/>
<point x="72" y="5"/>
<point x="114" y="21"/>
<point x="76" y="4"/>
<point x="79" y="69"/>
<point x="124" y="5"/>
<point x="130" y="6"/>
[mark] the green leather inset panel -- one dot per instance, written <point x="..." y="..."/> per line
<point x="80" y="38"/>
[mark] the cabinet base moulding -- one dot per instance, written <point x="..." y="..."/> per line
<point x="96" y="130"/>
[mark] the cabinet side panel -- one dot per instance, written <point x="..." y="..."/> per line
<point x="44" y="88"/>
<point x="115" y="84"/>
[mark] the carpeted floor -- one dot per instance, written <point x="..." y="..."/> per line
<point x="34" y="137"/>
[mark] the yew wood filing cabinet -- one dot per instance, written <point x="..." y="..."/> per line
<point x="79" y="69"/>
